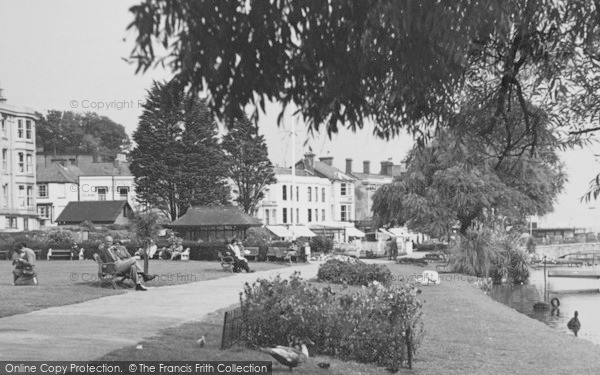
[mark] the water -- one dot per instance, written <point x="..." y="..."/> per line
<point x="571" y="296"/>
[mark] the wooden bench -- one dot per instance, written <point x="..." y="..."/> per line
<point x="4" y="255"/>
<point x="251" y="252"/>
<point x="64" y="254"/>
<point x="108" y="272"/>
<point x="226" y="261"/>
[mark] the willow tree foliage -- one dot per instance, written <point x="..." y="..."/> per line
<point x="178" y="161"/>
<point x="467" y="175"/>
<point x="248" y="164"/>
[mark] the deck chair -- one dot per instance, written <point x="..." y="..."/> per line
<point x="108" y="272"/>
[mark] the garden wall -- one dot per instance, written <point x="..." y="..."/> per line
<point x="555" y="251"/>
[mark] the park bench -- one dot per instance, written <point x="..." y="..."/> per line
<point x="56" y="254"/>
<point x="251" y="252"/>
<point x="280" y="253"/>
<point x="226" y="262"/>
<point x="4" y="255"/>
<point x="108" y="272"/>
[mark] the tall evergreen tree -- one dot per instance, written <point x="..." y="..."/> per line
<point x="177" y="161"/>
<point x="249" y="164"/>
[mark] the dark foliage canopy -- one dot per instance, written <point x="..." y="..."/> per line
<point x="69" y="132"/>
<point x="178" y="162"/>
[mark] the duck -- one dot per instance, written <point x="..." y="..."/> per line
<point x="574" y="324"/>
<point x="287" y="355"/>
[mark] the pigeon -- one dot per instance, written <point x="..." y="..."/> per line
<point x="202" y="341"/>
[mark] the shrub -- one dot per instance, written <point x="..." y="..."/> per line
<point x="321" y="244"/>
<point x="437" y="246"/>
<point x="353" y="273"/>
<point x="370" y="326"/>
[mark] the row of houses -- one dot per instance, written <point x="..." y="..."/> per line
<point x="37" y="187"/>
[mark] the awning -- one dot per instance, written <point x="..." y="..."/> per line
<point x="280" y="231"/>
<point x="383" y="231"/>
<point x="353" y="232"/>
<point x="301" y="231"/>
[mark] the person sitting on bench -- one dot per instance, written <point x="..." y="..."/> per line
<point x="24" y="260"/>
<point x="239" y="262"/>
<point x="125" y="263"/>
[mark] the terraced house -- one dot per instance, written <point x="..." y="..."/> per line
<point x="17" y="177"/>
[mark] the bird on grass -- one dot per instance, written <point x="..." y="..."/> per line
<point x="574" y="324"/>
<point x="324" y="365"/>
<point x="202" y="341"/>
<point x="288" y="355"/>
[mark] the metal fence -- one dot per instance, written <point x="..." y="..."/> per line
<point x="232" y="328"/>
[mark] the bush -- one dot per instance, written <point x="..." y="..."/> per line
<point x="353" y="273"/>
<point x="432" y="247"/>
<point x="321" y="244"/>
<point x="370" y="326"/>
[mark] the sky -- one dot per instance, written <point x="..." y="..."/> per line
<point x="69" y="55"/>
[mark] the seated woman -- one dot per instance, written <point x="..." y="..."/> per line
<point x="24" y="261"/>
<point x="292" y="251"/>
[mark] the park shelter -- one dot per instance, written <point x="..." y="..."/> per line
<point x="280" y="231"/>
<point x="207" y="223"/>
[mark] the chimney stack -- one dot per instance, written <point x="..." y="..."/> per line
<point x="349" y="166"/>
<point x="309" y="160"/>
<point x="387" y="168"/>
<point x="327" y="160"/>
<point x="2" y="98"/>
<point x="366" y="167"/>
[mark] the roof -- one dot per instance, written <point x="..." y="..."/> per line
<point x="56" y="173"/>
<point x="17" y="111"/>
<point x="331" y="172"/>
<point x="94" y="211"/>
<point x="299" y="172"/>
<point x="105" y="169"/>
<point x="375" y="176"/>
<point x="209" y="216"/>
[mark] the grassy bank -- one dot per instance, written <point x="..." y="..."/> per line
<point x="64" y="282"/>
<point x="466" y="333"/>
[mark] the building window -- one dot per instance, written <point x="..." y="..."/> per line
<point x="323" y="215"/>
<point x="284" y="196"/>
<point x="29" y="195"/>
<point x="345" y="213"/>
<point x="43" y="191"/>
<point x="309" y="217"/>
<point x="291" y="215"/>
<point x="309" y="193"/>
<point x="284" y="212"/>
<point x="4" y="159"/>
<point x="28" y="129"/>
<point x="102" y="190"/>
<point x="274" y="216"/>
<point x="5" y="195"/>
<point x="267" y="221"/>
<point x="123" y="192"/>
<point x="316" y="194"/>
<point x="20" y="128"/>
<point x="3" y="126"/>
<point x="297" y="215"/>
<point x="297" y="194"/>
<point x="343" y="189"/>
<point x="21" y="162"/>
<point x="323" y="195"/>
<point x="316" y="214"/>
<point x="44" y="212"/>
<point x="25" y="223"/>
<point x="29" y="163"/>
<point x="11" y="222"/>
<point x="21" y="195"/>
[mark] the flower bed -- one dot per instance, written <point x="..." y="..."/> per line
<point x="353" y="273"/>
<point x="377" y="324"/>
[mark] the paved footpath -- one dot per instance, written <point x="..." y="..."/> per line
<point x="88" y="330"/>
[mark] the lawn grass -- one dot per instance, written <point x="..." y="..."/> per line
<point x="65" y="282"/>
<point x="466" y="332"/>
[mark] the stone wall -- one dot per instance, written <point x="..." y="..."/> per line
<point x="555" y="251"/>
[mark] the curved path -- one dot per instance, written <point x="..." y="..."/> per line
<point x="88" y="330"/>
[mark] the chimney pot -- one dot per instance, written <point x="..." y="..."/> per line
<point x="309" y="160"/>
<point x="349" y="166"/>
<point x="366" y="167"/>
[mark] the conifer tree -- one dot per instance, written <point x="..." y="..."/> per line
<point x="249" y="166"/>
<point x="177" y="161"/>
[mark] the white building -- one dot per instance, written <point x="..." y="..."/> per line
<point x="309" y="202"/>
<point x="17" y="178"/>
<point x="341" y="198"/>
<point x="77" y="178"/>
